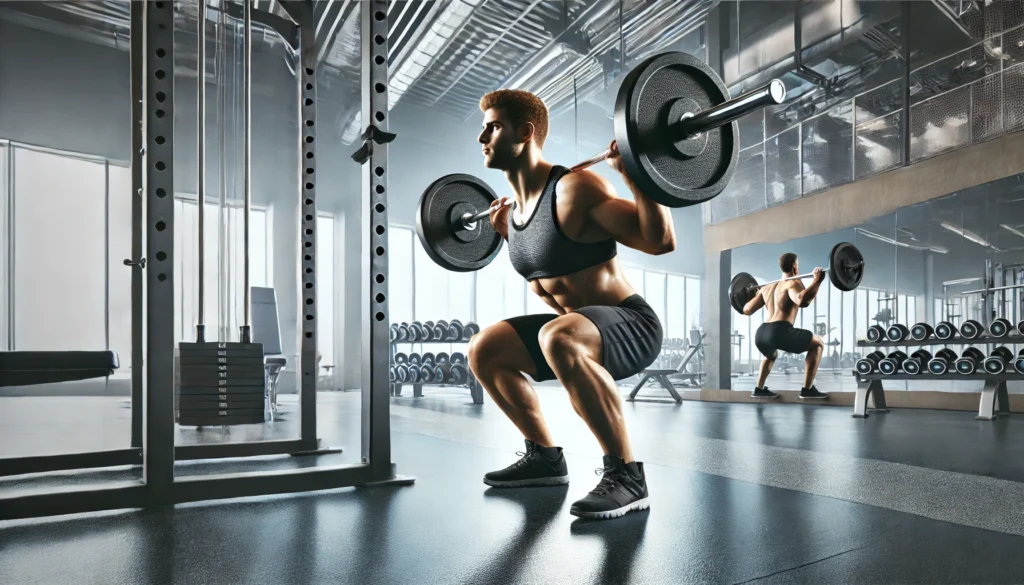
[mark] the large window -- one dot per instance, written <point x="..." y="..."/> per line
<point x="400" y="269"/>
<point x="221" y="321"/>
<point x="324" y="287"/>
<point x="60" y="252"/>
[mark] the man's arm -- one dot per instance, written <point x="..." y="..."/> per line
<point x="754" y="305"/>
<point x="642" y="225"/>
<point x="801" y="296"/>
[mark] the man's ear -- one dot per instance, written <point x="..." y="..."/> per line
<point x="527" y="132"/>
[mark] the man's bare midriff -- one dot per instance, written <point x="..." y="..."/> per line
<point x="602" y="284"/>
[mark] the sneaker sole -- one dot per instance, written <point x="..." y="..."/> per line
<point x="537" y="482"/>
<point x="609" y="514"/>
<point x="765" y="397"/>
<point x="814" y="398"/>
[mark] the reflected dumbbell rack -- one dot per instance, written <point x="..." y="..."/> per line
<point x="420" y="367"/>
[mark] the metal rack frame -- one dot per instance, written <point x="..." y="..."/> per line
<point x="152" y="26"/>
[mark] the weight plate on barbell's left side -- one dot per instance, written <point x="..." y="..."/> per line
<point x="440" y="207"/>
<point x="739" y="290"/>
<point x="846" y="266"/>
<point x="652" y="99"/>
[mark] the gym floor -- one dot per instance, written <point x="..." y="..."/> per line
<point x="741" y="493"/>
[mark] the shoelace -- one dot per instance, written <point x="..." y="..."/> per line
<point x="608" y="481"/>
<point x="525" y="457"/>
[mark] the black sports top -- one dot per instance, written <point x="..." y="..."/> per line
<point x="539" y="248"/>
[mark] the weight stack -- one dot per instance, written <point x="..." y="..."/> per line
<point x="220" y="384"/>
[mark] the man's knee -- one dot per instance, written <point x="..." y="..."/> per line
<point x="816" y="343"/>
<point x="556" y="341"/>
<point x="484" y="352"/>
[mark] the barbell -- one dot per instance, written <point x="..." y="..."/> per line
<point x="675" y="129"/>
<point x="845" y="270"/>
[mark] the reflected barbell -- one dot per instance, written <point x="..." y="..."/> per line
<point x="845" y="270"/>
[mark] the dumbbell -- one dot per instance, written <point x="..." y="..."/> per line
<point x="402" y="374"/>
<point x="891" y="364"/>
<point x="471" y="329"/>
<point x="415" y="331"/>
<point x="412" y="374"/>
<point x="403" y="333"/>
<point x="441" y="358"/>
<point x="869" y="363"/>
<point x="392" y="374"/>
<point x="876" y="333"/>
<point x="942" y="361"/>
<point x="440" y="330"/>
<point x="427" y="359"/>
<point x="897" y="332"/>
<point x="400" y="358"/>
<point x="451" y="373"/>
<point x="998" y="360"/>
<point x="1020" y="327"/>
<point x="971" y="329"/>
<point x="917" y="362"/>
<point x="393" y="332"/>
<point x="426" y="374"/>
<point x="921" y="331"/>
<point x="945" y="330"/>
<point x="1018" y="363"/>
<point x="969" y="361"/>
<point x="458" y="358"/>
<point x="999" y="328"/>
<point x="455" y="330"/>
<point x="413" y="359"/>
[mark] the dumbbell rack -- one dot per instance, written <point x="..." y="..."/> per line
<point x="475" y="389"/>
<point x="994" y="397"/>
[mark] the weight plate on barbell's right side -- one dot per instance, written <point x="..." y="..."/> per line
<point x="845" y="266"/>
<point x="674" y="173"/>
<point x="437" y="221"/>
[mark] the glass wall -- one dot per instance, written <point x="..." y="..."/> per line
<point x="928" y="262"/>
<point x="843" y="117"/>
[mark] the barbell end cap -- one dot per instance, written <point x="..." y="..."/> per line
<point x="777" y="91"/>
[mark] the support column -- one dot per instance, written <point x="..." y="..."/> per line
<point x="158" y="445"/>
<point x="376" y="444"/>
<point x="929" y="289"/>
<point x="137" y="56"/>
<point x="307" y="178"/>
<point x="716" y="319"/>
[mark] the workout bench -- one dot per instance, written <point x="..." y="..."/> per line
<point x="662" y="376"/>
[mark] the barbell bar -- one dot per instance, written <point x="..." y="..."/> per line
<point x="689" y="126"/>
<point x="845" y="271"/>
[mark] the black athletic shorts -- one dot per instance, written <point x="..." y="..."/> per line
<point x="777" y="335"/>
<point x="630" y="337"/>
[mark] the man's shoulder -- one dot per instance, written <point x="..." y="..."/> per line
<point x="584" y="187"/>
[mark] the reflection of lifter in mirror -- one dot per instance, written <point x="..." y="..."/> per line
<point x="782" y="301"/>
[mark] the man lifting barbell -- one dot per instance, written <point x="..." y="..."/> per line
<point x="782" y="300"/>
<point x="676" y="144"/>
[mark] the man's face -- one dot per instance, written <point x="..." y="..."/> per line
<point x="499" y="141"/>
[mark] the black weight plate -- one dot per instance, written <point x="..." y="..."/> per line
<point x="920" y="331"/>
<point x="912" y="367"/>
<point x="739" y="294"/>
<point x="215" y="390"/>
<point x="458" y="358"/>
<point x="846" y="266"/>
<point x="199" y="382"/>
<point x="999" y="327"/>
<point x="197" y="412"/>
<point x="225" y="369"/>
<point x="1018" y="364"/>
<point x="192" y="402"/>
<point x="210" y="360"/>
<point x="210" y="421"/>
<point x="645" y="120"/>
<point x="440" y="206"/>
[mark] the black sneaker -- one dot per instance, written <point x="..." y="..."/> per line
<point x="763" y="393"/>
<point x="812" y="394"/>
<point x="533" y="469"/>
<point x="622" y="489"/>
